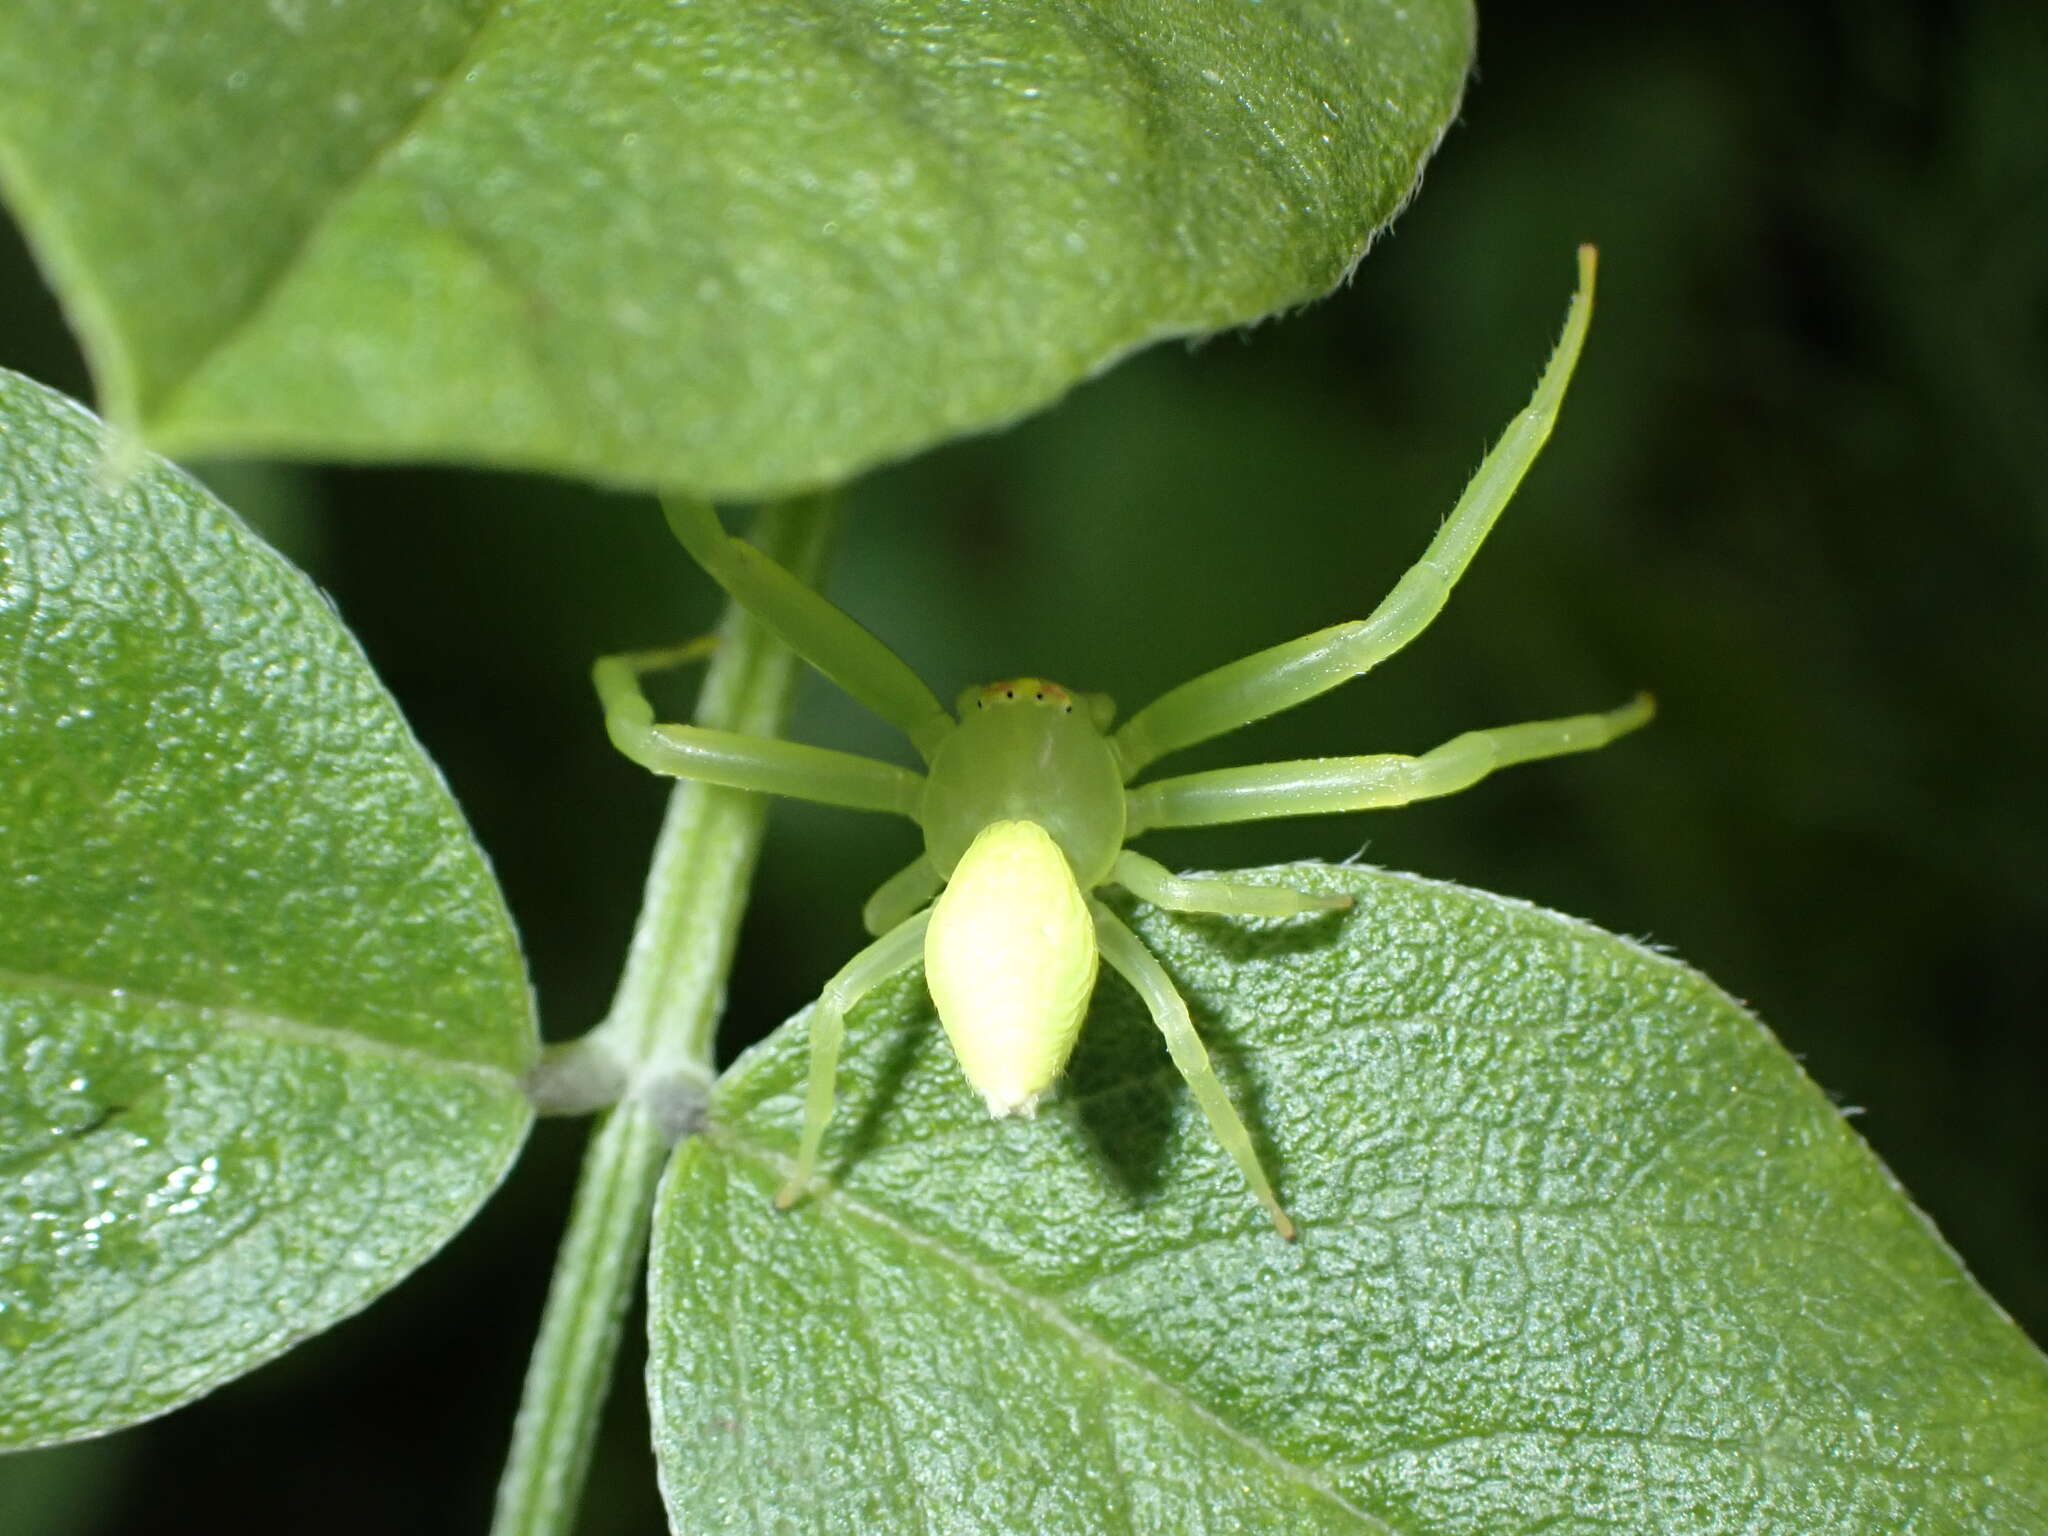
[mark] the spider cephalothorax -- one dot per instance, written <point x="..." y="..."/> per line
<point x="1027" y="799"/>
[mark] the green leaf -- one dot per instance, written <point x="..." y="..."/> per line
<point x="1582" y="1250"/>
<point x="262" y="1012"/>
<point x="732" y="246"/>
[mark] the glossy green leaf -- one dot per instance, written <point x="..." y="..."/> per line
<point x="262" y="1012"/>
<point x="727" y="245"/>
<point x="1582" y="1251"/>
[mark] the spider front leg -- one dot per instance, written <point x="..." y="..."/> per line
<point x="825" y="635"/>
<point x="1318" y="785"/>
<point x="897" y="948"/>
<point x="734" y="760"/>
<point x="1285" y="675"/>
<point x="1128" y="956"/>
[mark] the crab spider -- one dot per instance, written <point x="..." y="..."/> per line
<point x="1027" y="799"/>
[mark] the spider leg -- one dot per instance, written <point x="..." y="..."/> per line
<point x="1285" y="675"/>
<point x="860" y="976"/>
<point x="896" y="898"/>
<point x="824" y="634"/>
<point x="1317" y="785"/>
<point x="737" y="761"/>
<point x="1153" y="882"/>
<point x="1128" y="956"/>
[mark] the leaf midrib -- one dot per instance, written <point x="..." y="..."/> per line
<point x="269" y="1026"/>
<point x="1088" y="1339"/>
<point x="292" y="258"/>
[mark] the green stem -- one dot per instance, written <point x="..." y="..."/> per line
<point x="660" y="1029"/>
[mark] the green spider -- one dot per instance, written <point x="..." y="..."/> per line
<point x="1026" y="801"/>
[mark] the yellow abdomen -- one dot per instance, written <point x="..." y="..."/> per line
<point x="1010" y="958"/>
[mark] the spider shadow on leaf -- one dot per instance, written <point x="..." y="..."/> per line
<point x="1127" y="1100"/>
<point x="908" y="1044"/>
<point x="1126" y="1094"/>
<point x="1120" y="1086"/>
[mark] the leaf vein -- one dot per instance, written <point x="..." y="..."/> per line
<point x="273" y="282"/>
<point x="1089" y="1340"/>
<point x="268" y="1026"/>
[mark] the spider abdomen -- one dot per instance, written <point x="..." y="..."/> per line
<point x="1010" y="958"/>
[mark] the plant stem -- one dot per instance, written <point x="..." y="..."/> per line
<point x="661" y="1025"/>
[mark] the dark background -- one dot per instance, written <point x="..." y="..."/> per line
<point x="1796" y="490"/>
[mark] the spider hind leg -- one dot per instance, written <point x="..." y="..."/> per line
<point x="1128" y="956"/>
<point x="1151" y="881"/>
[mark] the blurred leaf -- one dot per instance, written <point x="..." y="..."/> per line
<point x="730" y="246"/>
<point x="262" y="1012"/>
<point x="1582" y="1250"/>
<point x="71" y="1490"/>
